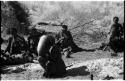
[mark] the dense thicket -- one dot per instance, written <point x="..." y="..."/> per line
<point x="13" y="15"/>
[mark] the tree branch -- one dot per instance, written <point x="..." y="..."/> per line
<point x="82" y="25"/>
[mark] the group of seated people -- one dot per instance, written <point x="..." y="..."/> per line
<point x="47" y="49"/>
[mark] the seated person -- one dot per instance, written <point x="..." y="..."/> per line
<point x="16" y="43"/>
<point x="115" y="37"/>
<point x="33" y="40"/>
<point x="17" y="49"/>
<point x="67" y="41"/>
<point x="50" y="57"/>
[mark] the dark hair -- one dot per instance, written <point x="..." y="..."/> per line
<point x="33" y="29"/>
<point x="116" y="18"/>
<point x="64" y="26"/>
<point x="42" y="31"/>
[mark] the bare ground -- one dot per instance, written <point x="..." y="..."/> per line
<point x="32" y="71"/>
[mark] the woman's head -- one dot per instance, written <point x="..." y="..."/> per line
<point x="115" y="19"/>
<point x="64" y="27"/>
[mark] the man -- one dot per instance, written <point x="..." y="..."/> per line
<point x="16" y="43"/>
<point x="67" y="43"/>
<point x="17" y="49"/>
<point x="116" y="33"/>
<point x="115" y="40"/>
<point x="33" y="40"/>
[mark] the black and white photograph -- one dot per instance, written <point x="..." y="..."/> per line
<point x="62" y="40"/>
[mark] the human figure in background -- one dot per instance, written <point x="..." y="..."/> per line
<point x="33" y="40"/>
<point x="116" y="37"/>
<point x="16" y="43"/>
<point x="67" y="43"/>
<point x="116" y="34"/>
<point x="17" y="49"/>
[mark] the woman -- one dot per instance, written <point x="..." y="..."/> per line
<point x="50" y="57"/>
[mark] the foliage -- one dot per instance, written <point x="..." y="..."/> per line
<point x="73" y="14"/>
<point x="13" y="15"/>
<point x="77" y="13"/>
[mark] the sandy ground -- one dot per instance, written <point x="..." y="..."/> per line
<point x="33" y="71"/>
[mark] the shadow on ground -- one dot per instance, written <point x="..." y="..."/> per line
<point x="81" y="49"/>
<point x="9" y="71"/>
<point x="89" y="50"/>
<point x="80" y="71"/>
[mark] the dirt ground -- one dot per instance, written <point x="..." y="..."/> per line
<point x="79" y="73"/>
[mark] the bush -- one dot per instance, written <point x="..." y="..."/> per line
<point x="72" y="14"/>
<point x="13" y="15"/>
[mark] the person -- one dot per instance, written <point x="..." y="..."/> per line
<point x="67" y="43"/>
<point x="16" y="43"/>
<point x="43" y="47"/>
<point x="33" y="40"/>
<point x="116" y="33"/>
<point x="55" y="65"/>
<point x="17" y="49"/>
<point x="49" y="57"/>
<point x="115" y="40"/>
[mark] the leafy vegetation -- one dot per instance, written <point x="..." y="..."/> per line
<point x="90" y="20"/>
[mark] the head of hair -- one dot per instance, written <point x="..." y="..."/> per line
<point x="33" y="29"/>
<point x="64" y="26"/>
<point x="116" y="18"/>
<point x="42" y="31"/>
